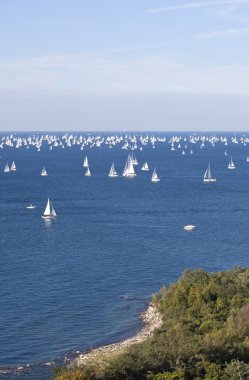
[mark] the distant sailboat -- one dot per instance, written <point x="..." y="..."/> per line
<point x="155" y="177"/>
<point x="225" y="153"/>
<point x="85" y="162"/>
<point x="231" y="164"/>
<point x="49" y="212"/>
<point x="7" y="168"/>
<point x="145" y="167"/>
<point x="112" y="172"/>
<point x="129" y="169"/>
<point x="134" y="160"/>
<point x="208" y="176"/>
<point x="247" y="159"/>
<point x="13" y="167"/>
<point x="88" y="173"/>
<point x="44" y="172"/>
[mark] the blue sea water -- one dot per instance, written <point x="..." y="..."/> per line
<point x="81" y="281"/>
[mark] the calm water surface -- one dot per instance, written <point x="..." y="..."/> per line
<point x="82" y="280"/>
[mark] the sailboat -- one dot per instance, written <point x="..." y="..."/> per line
<point x="7" y="168"/>
<point x="88" y="173"/>
<point x="49" y="212"/>
<point x="13" y="167"/>
<point x="155" y="177"/>
<point x="129" y="169"/>
<point x="145" y="167"/>
<point x="44" y="172"/>
<point x="231" y="164"/>
<point x="85" y="162"/>
<point x="134" y="160"/>
<point x="112" y="172"/>
<point x="208" y="176"/>
<point x="247" y="159"/>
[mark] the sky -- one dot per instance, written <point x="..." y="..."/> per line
<point x="124" y="65"/>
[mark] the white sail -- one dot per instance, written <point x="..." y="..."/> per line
<point x="145" y="167"/>
<point x="47" y="211"/>
<point x="6" y="169"/>
<point x="53" y="213"/>
<point x="44" y="172"/>
<point x="85" y="162"/>
<point x="112" y="172"/>
<point x="231" y="164"/>
<point x="155" y="177"/>
<point x="13" y="166"/>
<point x="88" y="173"/>
<point x="208" y="176"/>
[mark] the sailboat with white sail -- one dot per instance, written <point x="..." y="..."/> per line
<point x="112" y="172"/>
<point x="49" y="212"/>
<point x="145" y="167"/>
<point x="155" y="177"/>
<point x="129" y="168"/>
<point x="7" y="168"/>
<point x="85" y="163"/>
<point x="13" y="167"/>
<point x="208" y="176"/>
<point x="44" y="172"/>
<point x="231" y="164"/>
<point x="88" y="173"/>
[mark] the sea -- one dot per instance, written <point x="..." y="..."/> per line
<point x="81" y="281"/>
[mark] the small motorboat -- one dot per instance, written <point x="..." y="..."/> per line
<point x="30" y="206"/>
<point x="189" y="227"/>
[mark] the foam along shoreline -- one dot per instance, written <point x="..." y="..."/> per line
<point x="152" y="320"/>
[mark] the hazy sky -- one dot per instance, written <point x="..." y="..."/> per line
<point x="124" y="65"/>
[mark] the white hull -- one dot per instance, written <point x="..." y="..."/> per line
<point x="189" y="227"/>
<point x="210" y="180"/>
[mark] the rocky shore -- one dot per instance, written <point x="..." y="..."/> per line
<point x="152" y="320"/>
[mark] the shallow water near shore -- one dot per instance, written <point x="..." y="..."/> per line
<point x="82" y="280"/>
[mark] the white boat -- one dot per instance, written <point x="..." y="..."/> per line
<point x="247" y="159"/>
<point x="231" y="164"/>
<point x="208" y="176"/>
<point x="30" y="206"/>
<point x="88" y="173"/>
<point x="134" y="160"/>
<point x="189" y="227"/>
<point x="85" y="163"/>
<point x="112" y="172"/>
<point x="49" y="212"/>
<point x="7" y="168"/>
<point x="145" y="167"/>
<point x="44" y="172"/>
<point x="129" y="169"/>
<point x="225" y="153"/>
<point x="155" y="177"/>
<point x="13" y="167"/>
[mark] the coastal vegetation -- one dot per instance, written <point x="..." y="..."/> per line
<point x="204" y="334"/>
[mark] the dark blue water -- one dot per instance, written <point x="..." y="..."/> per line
<point x="82" y="280"/>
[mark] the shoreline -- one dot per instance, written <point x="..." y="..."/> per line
<point x="152" y="320"/>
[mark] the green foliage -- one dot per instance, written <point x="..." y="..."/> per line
<point x="204" y="335"/>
